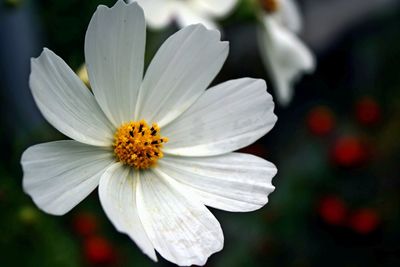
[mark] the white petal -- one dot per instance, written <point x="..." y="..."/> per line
<point x="181" y="229"/>
<point x="158" y="13"/>
<point x="180" y="72"/>
<point x="286" y="58"/>
<point x="227" y="117"/>
<point x="59" y="175"/>
<point x="117" y="191"/>
<point x="114" y="51"/>
<point x="289" y="15"/>
<point x="232" y="182"/>
<point x="187" y="15"/>
<point x="218" y="8"/>
<point x="65" y="101"/>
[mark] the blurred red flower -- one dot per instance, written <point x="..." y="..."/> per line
<point x="98" y="251"/>
<point x="320" y="120"/>
<point x="84" y="224"/>
<point x="332" y="210"/>
<point x="348" y="151"/>
<point x="364" y="221"/>
<point x="367" y="111"/>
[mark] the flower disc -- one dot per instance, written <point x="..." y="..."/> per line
<point x="138" y="145"/>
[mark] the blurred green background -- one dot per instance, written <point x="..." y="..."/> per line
<point x="336" y="145"/>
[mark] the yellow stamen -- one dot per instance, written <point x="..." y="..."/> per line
<point x="270" y="6"/>
<point x="83" y="75"/>
<point x="138" y="145"/>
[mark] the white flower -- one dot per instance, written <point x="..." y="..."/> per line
<point x="285" y="57"/>
<point x="154" y="181"/>
<point x="160" y="13"/>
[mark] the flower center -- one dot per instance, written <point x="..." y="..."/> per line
<point x="270" y="6"/>
<point x="138" y="145"/>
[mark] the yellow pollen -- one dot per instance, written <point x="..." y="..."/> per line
<point x="270" y="6"/>
<point x="138" y="145"/>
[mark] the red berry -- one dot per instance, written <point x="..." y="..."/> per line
<point x="332" y="210"/>
<point x="320" y="120"/>
<point x="367" y="111"/>
<point x="364" y="221"/>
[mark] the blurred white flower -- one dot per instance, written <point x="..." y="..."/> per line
<point x="160" y="13"/>
<point x="284" y="55"/>
<point x="156" y="179"/>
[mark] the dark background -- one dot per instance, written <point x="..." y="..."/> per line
<point x="336" y="145"/>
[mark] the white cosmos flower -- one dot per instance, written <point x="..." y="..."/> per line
<point x="154" y="182"/>
<point x="160" y="13"/>
<point x="284" y="55"/>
